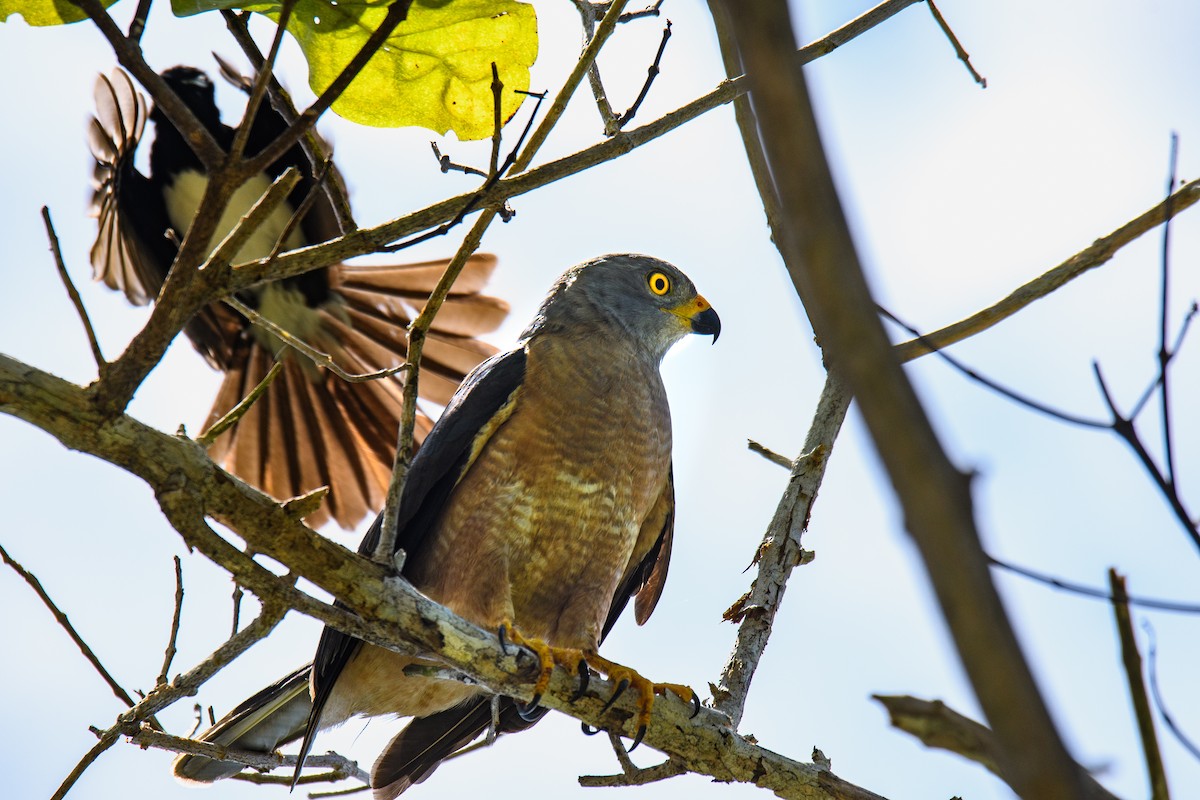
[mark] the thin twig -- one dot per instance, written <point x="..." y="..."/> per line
<point x="497" y="122"/>
<point x="779" y="553"/>
<point x="1096" y="254"/>
<point x="998" y="388"/>
<point x="107" y="740"/>
<point x="1140" y="405"/>
<point x="1132" y="662"/>
<point x="1164" y="311"/>
<point x="262" y="79"/>
<point x="1124" y="428"/>
<point x="169" y="655"/>
<point x="1168" y="718"/>
<point x="129" y="53"/>
<point x="231" y="417"/>
<point x="66" y="625"/>
<point x="137" y="25"/>
<point x="318" y="357"/>
<point x="769" y="454"/>
<point x="1084" y="590"/>
<point x="652" y="73"/>
<point x="958" y="48"/>
<point x="640" y="777"/>
<point x="397" y="12"/>
<point x="72" y="292"/>
<point x="446" y="165"/>
<point x="310" y="199"/>
<point x="312" y="145"/>
<point x="385" y="550"/>
<point x="237" y="607"/>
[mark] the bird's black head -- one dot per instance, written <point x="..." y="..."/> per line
<point x="195" y="89"/>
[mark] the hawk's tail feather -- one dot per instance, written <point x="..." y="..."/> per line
<point x="426" y="742"/>
<point x="264" y="722"/>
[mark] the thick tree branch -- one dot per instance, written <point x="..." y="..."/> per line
<point x="190" y="487"/>
<point x="935" y="497"/>
<point x="780" y="552"/>
<point x="938" y="725"/>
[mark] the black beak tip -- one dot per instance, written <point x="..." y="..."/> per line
<point x="707" y="322"/>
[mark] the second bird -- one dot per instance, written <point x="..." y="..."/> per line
<point x="311" y="428"/>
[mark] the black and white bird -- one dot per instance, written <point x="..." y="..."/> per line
<point x="311" y="428"/>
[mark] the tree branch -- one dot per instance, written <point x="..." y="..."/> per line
<point x="821" y="259"/>
<point x="389" y="612"/>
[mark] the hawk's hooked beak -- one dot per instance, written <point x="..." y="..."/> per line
<point x="700" y="314"/>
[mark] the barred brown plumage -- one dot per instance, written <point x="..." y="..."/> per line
<point x="541" y="502"/>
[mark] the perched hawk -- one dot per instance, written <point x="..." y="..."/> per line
<point x="312" y="428"/>
<point x="540" y="503"/>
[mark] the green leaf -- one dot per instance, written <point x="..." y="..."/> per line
<point x="434" y="71"/>
<point x="44" y="12"/>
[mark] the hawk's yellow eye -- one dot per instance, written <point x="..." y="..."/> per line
<point x="659" y="284"/>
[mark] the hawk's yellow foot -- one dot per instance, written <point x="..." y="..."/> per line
<point x="568" y="658"/>
<point x="645" y="688"/>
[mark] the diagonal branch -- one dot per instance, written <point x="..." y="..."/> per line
<point x="821" y="259"/>
<point x="389" y="612"/>
<point x="371" y="240"/>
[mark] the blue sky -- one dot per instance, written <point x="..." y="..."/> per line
<point x="957" y="195"/>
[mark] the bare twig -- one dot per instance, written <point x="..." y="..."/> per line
<point x="769" y="454"/>
<point x="1096" y="254"/>
<point x="234" y="414"/>
<point x="318" y="357"/>
<point x="1092" y="592"/>
<point x="137" y="25"/>
<point x="497" y="122"/>
<point x="1124" y="428"/>
<point x="312" y="145"/>
<point x="958" y="48"/>
<point x="998" y="388"/>
<point x="129" y="53"/>
<point x="385" y="549"/>
<point x="780" y="552"/>
<point x="1131" y="659"/>
<point x="262" y="79"/>
<point x="169" y="655"/>
<point x="586" y="60"/>
<point x="446" y="165"/>
<point x="1164" y="356"/>
<point x="71" y="290"/>
<point x="651" y="74"/>
<point x="1140" y="405"/>
<point x="310" y="198"/>
<point x="66" y="625"/>
<point x="397" y="12"/>
<point x="631" y="774"/>
<point x="1168" y="718"/>
<point x="938" y="725"/>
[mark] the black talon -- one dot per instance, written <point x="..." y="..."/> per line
<point x="695" y="705"/>
<point x="621" y="687"/>
<point x="588" y="730"/>
<point x="529" y="712"/>
<point x="641" y="731"/>
<point x="500" y="636"/>
<point x="584" y="678"/>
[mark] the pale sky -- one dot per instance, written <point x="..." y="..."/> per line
<point x="957" y="195"/>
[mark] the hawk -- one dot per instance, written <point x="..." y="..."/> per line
<point x="541" y="502"/>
